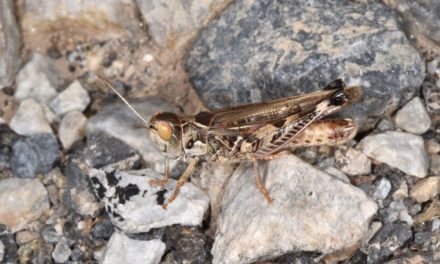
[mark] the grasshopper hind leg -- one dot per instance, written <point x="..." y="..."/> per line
<point x="259" y="183"/>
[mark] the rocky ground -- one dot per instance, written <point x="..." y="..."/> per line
<point x="75" y="161"/>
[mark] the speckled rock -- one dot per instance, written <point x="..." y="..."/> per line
<point x="61" y="252"/>
<point x="413" y="117"/>
<point x="134" y="206"/>
<point x="9" y="246"/>
<point x="171" y="23"/>
<point x="23" y="201"/>
<point x="30" y="119"/>
<point x="35" y="154"/>
<point x="281" y="48"/>
<point x="118" y="121"/>
<point x="400" y="150"/>
<point x="72" y="128"/>
<point x="426" y="189"/>
<point x="324" y="213"/>
<point x="121" y="249"/>
<point x="34" y="80"/>
<point x="73" y="98"/>
<point x="9" y="52"/>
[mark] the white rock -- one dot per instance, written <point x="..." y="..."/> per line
<point x="413" y="117"/>
<point x="33" y="82"/>
<point x="123" y="250"/>
<point x="382" y="189"/>
<point x="118" y="121"/>
<point x="435" y="225"/>
<point x="400" y="150"/>
<point x="426" y="189"/>
<point x="72" y="128"/>
<point x="352" y="162"/>
<point x="61" y="252"/>
<point x="73" y="98"/>
<point x="30" y="119"/>
<point x="311" y="211"/>
<point x="22" y="201"/>
<point x="134" y="206"/>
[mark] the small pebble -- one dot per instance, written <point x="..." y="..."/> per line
<point x="426" y="189"/>
<point x="432" y="146"/>
<point x="382" y="189"/>
<point x="413" y="117"/>
<point x="25" y="236"/>
<point x="50" y="235"/>
<point x="62" y="251"/>
<point x="435" y="164"/>
<point x="73" y="98"/>
<point x="30" y="119"/>
<point x="435" y="224"/>
<point x="352" y="162"/>
<point x="72" y="128"/>
<point x="431" y="93"/>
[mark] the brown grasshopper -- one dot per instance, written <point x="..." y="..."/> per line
<point x="252" y="132"/>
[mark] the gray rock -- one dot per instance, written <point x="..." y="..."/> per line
<point x="118" y="121"/>
<point x="400" y="150"/>
<point x="434" y="166"/>
<point x="323" y="213"/>
<point x="10" y="248"/>
<point x="35" y="154"/>
<point x="72" y="128"/>
<point x="23" y="201"/>
<point x="73" y="98"/>
<point x="2" y="250"/>
<point x="172" y="23"/>
<point x="134" y="206"/>
<point x="50" y="235"/>
<point x="282" y="48"/>
<point x="352" y="162"/>
<point x="10" y="50"/>
<point x="62" y="251"/>
<point x="103" y="229"/>
<point x="426" y="189"/>
<point x="413" y="117"/>
<point x="382" y="189"/>
<point x="121" y="249"/>
<point x="30" y="119"/>
<point x="33" y="80"/>
<point x="431" y="93"/>
<point x="397" y="211"/>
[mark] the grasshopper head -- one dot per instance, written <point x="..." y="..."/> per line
<point x="165" y="132"/>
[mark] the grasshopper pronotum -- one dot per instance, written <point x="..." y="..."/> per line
<point x="251" y="132"/>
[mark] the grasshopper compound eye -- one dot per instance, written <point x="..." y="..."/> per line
<point x="164" y="130"/>
<point x="339" y="98"/>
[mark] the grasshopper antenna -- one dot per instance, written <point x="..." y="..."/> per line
<point x="109" y="85"/>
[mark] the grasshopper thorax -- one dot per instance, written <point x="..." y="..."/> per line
<point x="166" y="134"/>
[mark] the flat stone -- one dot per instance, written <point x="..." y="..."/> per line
<point x="23" y="201"/>
<point x="283" y="48"/>
<point x="413" y="117"/>
<point x="30" y="119"/>
<point x="33" y="80"/>
<point x="118" y="121"/>
<point x="61" y="252"/>
<point x="73" y="98"/>
<point x="323" y="213"/>
<point x="121" y="249"/>
<point x="400" y="150"/>
<point x="172" y="23"/>
<point x="10" y="39"/>
<point x="35" y="154"/>
<point x="426" y="189"/>
<point x="134" y="206"/>
<point x="72" y="128"/>
<point x="352" y="162"/>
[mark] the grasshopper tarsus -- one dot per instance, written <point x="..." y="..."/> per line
<point x="259" y="182"/>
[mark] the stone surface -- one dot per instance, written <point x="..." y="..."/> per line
<point x="382" y="189"/>
<point x="323" y="213"/>
<point x="400" y="150"/>
<point x="2" y="250"/>
<point x="33" y="80"/>
<point x="431" y="93"/>
<point x="61" y="252"/>
<point x="72" y="128"/>
<point x="171" y="23"/>
<point x="30" y="119"/>
<point x="413" y="117"/>
<point x="282" y="48"/>
<point x="73" y="98"/>
<point x="121" y="249"/>
<point x="118" y="121"/>
<point x="352" y="162"/>
<point x="426" y="189"/>
<point x="9" y="52"/>
<point x="23" y="201"/>
<point x="35" y="154"/>
<point x="134" y="206"/>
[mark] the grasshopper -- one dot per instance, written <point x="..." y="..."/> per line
<point x="253" y="132"/>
